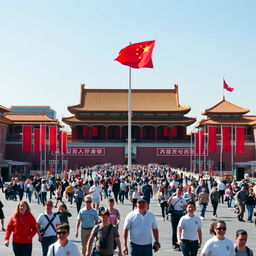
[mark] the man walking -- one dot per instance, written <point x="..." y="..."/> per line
<point x="241" y="197"/>
<point x="46" y="227"/>
<point x="89" y="217"/>
<point x="140" y="222"/>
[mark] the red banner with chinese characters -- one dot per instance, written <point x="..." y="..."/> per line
<point x="177" y="152"/>
<point x="240" y="140"/>
<point x="212" y="140"/>
<point x="37" y="140"/>
<point x="52" y="138"/>
<point x="27" y="138"/>
<point x="226" y="142"/>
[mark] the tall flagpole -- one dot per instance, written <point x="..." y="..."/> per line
<point x="232" y="148"/>
<point x="191" y="155"/>
<point x="45" y="150"/>
<point x="56" y="154"/>
<point x="199" y="150"/>
<point x="129" y="124"/>
<point x="221" y="143"/>
<point x="40" y="146"/>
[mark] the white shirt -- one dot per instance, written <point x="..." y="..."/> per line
<point x="140" y="227"/>
<point x="190" y="226"/>
<point x="43" y="222"/>
<point x="96" y="193"/>
<point x="221" y="186"/>
<point x="215" y="247"/>
<point x="178" y="203"/>
<point x="70" y="249"/>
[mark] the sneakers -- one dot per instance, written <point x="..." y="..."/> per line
<point x="202" y="218"/>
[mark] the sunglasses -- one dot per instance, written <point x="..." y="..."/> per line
<point x="49" y="205"/>
<point x="62" y="233"/>
<point x="88" y="201"/>
<point x="221" y="229"/>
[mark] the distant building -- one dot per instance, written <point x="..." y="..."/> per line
<point x="100" y="128"/>
<point x="34" y="110"/>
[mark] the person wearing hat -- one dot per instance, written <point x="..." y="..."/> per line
<point x="140" y="223"/>
<point x="105" y="234"/>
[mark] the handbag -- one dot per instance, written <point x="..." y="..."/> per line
<point x="171" y="207"/>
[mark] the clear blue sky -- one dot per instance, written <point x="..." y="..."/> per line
<point x="48" y="48"/>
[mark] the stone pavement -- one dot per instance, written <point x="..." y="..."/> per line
<point x="164" y="226"/>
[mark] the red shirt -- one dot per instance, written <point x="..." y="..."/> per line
<point x="23" y="228"/>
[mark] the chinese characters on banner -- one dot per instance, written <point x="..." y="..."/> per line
<point x="85" y="151"/>
<point x="177" y="152"/>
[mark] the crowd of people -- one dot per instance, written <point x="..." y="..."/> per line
<point x="178" y="195"/>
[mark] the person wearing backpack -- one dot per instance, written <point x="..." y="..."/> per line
<point x="240" y="247"/>
<point x="46" y="227"/>
<point x="105" y="234"/>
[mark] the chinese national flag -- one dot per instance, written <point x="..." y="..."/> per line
<point x="227" y="87"/>
<point x="137" y="55"/>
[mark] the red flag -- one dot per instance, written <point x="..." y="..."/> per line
<point x="37" y="140"/>
<point x="137" y="55"/>
<point x="42" y="135"/>
<point x="197" y="143"/>
<point x="166" y="131"/>
<point x="226" y="142"/>
<point x="27" y="138"/>
<point x="64" y="144"/>
<point x="53" y="139"/>
<point x="201" y="139"/>
<point x="212" y="141"/>
<point x="60" y="137"/>
<point x="239" y="140"/>
<point x="227" y="87"/>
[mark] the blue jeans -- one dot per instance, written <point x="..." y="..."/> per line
<point x="22" y="249"/>
<point x="70" y="198"/>
<point x="29" y="193"/>
<point x="189" y="247"/>
<point x="250" y="208"/>
<point x="46" y="242"/>
<point x="44" y="197"/>
<point x="229" y="201"/>
<point x="121" y="196"/>
<point x="141" y="250"/>
<point x="203" y="209"/>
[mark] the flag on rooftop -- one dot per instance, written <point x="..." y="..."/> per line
<point x="227" y="87"/>
<point x="137" y="55"/>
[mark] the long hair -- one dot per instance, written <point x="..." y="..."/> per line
<point x="214" y="225"/>
<point x="17" y="208"/>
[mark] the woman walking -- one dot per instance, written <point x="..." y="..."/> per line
<point x="23" y="226"/>
<point x="218" y="245"/>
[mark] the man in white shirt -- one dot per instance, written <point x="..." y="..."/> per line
<point x="46" y="227"/>
<point x="63" y="246"/>
<point x="140" y="222"/>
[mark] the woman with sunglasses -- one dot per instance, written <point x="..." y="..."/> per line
<point x="218" y="245"/>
